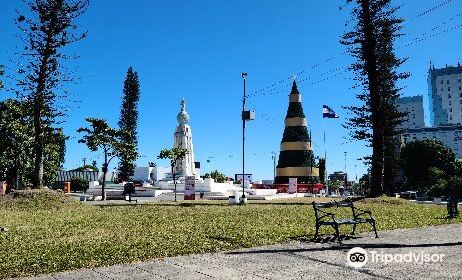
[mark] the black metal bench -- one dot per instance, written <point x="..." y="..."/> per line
<point x="324" y="218"/>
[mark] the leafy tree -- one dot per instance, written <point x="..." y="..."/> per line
<point x="100" y="136"/>
<point x="217" y="176"/>
<point x="454" y="187"/>
<point x="14" y="141"/>
<point x="86" y="168"/>
<point x="49" y="29"/>
<point x="421" y="159"/>
<point x="176" y="156"/>
<point x="456" y="169"/>
<point x="129" y="122"/>
<point x="54" y="153"/>
<point x="359" y="189"/>
<point x="438" y="189"/>
<point x="371" y="43"/>
<point x="364" y="184"/>
<point x="334" y="185"/>
<point x="449" y="188"/>
<point x="433" y="176"/>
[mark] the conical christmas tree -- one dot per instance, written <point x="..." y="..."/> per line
<point x="296" y="159"/>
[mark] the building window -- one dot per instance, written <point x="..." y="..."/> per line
<point x="442" y="89"/>
<point x="447" y="82"/>
<point x="449" y="96"/>
<point x="442" y="82"/>
<point x="460" y="80"/>
<point x="449" y="89"/>
<point x="450" y="110"/>
<point x="460" y="87"/>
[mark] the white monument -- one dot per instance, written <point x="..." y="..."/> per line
<point x="183" y="140"/>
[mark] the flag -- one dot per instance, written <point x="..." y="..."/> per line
<point x="327" y="112"/>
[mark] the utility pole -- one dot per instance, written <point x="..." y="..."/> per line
<point x="84" y="161"/>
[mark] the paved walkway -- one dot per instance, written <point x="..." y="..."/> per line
<point x="303" y="260"/>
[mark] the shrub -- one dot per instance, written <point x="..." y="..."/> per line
<point x="36" y="200"/>
<point x="79" y="184"/>
<point x="439" y="189"/>
<point x="454" y="187"/>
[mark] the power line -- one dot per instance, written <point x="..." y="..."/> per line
<point x="421" y="14"/>
<point x="426" y="12"/>
<point x="443" y="23"/>
<point x="417" y="40"/>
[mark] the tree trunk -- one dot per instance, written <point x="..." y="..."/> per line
<point x="377" y="166"/>
<point x="391" y="163"/>
<point x="38" y="143"/>
<point x="105" y="169"/>
<point x="16" y="173"/>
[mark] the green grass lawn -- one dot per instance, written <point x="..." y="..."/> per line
<point x="49" y="233"/>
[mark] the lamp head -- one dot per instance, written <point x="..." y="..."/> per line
<point x="244" y="75"/>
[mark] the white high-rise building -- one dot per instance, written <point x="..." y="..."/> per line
<point x="449" y="135"/>
<point x="414" y="108"/>
<point x="445" y="100"/>
<point x="445" y="95"/>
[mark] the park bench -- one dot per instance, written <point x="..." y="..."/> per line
<point x="325" y="218"/>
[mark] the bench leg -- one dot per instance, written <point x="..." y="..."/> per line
<point x="375" y="229"/>
<point x="317" y="232"/>
<point x="354" y="229"/>
<point x="337" y="233"/>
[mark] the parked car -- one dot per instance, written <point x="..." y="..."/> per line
<point x="408" y="195"/>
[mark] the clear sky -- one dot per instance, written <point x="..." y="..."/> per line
<point x="198" y="49"/>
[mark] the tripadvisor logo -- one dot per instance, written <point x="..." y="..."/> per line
<point x="359" y="257"/>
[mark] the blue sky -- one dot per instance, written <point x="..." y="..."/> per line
<point x="198" y="49"/>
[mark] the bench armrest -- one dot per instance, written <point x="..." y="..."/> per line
<point x="326" y="214"/>
<point x="362" y="212"/>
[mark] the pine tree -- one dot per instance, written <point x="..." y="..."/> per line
<point x="50" y="28"/>
<point x="129" y="123"/>
<point x="377" y="118"/>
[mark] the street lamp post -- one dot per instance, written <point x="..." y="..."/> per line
<point x="346" y="179"/>
<point x="246" y="116"/>
<point x="244" y="76"/>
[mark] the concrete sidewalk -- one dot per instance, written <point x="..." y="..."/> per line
<point x="298" y="260"/>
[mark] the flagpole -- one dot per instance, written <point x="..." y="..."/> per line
<point x="327" y="112"/>
<point x="325" y="158"/>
